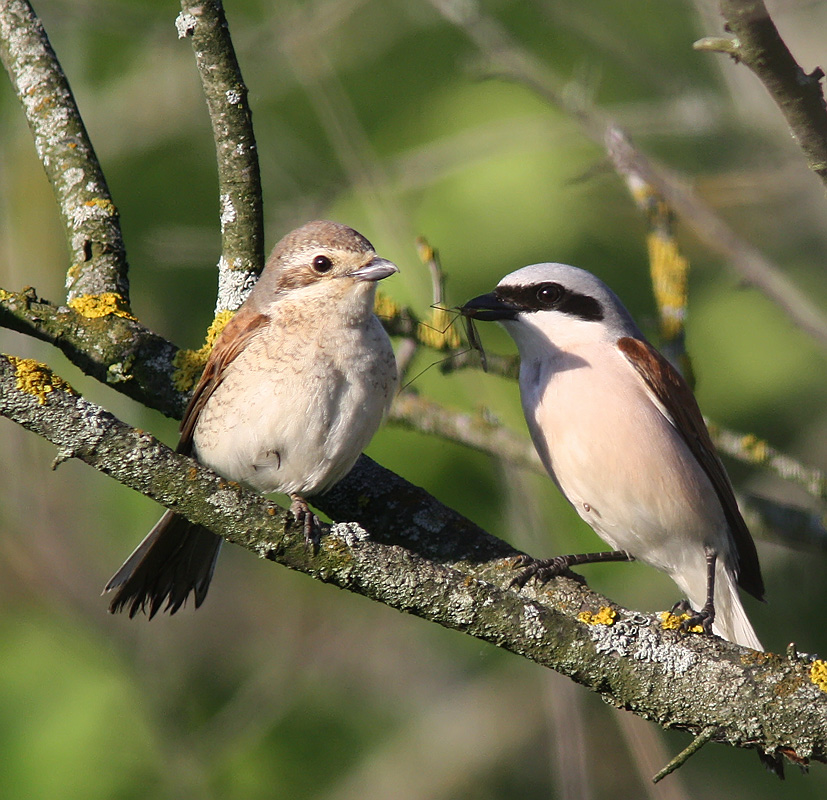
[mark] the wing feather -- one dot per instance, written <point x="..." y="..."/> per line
<point x="233" y="339"/>
<point x="675" y="398"/>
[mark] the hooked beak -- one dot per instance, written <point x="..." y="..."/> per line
<point x="376" y="269"/>
<point x="488" y="308"/>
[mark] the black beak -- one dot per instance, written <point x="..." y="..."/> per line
<point x="488" y="308"/>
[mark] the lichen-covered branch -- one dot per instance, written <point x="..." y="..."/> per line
<point x="797" y="93"/>
<point x="104" y="342"/>
<point x="401" y="547"/>
<point x="507" y="60"/>
<point x="239" y="180"/>
<point x="98" y="271"/>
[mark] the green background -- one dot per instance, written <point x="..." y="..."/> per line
<point x="378" y="114"/>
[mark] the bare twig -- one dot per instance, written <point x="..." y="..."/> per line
<point x="704" y="737"/>
<point x="798" y="94"/>
<point x="242" y="220"/>
<point x="98" y="271"/>
<point x="509" y="61"/>
<point x="751" y="450"/>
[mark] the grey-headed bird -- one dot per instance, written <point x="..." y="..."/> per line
<point x="621" y="434"/>
<point x="293" y="390"/>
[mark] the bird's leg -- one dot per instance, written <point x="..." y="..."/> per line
<point x="310" y="522"/>
<point x="706" y="616"/>
<point x="545" y="570"/>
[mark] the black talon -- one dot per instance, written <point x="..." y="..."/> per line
<point x="706" y="616"/>
<point x="544" y="570"/>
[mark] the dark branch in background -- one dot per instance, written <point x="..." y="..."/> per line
<point x="507" y="60"/>
<point x="791" y="525"/>
<point x="98" y="271"/>
<point x="403" y="548"/>
<point x="798" y="94"/>
<point x="239" y="180"/>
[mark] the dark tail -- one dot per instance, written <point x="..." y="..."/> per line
<point x="176" y="558"/>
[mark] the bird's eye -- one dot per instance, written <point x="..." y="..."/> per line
<point x="549" y="293"/>
<point x="322" y="264"/>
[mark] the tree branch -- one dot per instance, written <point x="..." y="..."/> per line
<point x="799" y="95"/>
<point x="98" y="271"/>
<point x="113" y="347"/>
<point x="403" y="548"/>
<point x="239" y="179"/>
<point x="511" y="62"/>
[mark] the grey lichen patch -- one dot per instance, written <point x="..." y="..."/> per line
<point x="461" y="607"/>
<point x="234" y="284"/>
<point x="531" y="623"/>
<point x="228" y="212"/>
<point x="636" y="639"/>
<point x="226" y="500"/>
<point x="350" y="533"/>
<point x="94" y="209"/>
<point x="185" y="25"/>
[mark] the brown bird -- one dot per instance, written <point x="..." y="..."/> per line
<point x="293" y="390"/>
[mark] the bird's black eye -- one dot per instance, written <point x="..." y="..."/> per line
<point x="549" y="293"/>
<point x="322" y="264"/>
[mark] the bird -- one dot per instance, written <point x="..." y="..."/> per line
<point x="292" y="392"/>
<point x="621" y="435"/>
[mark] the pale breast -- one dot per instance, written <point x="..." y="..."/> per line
<point x="294" y="412"/>
<point x="618" y="460"/>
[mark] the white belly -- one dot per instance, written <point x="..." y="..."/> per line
<point x="621" y="464"/>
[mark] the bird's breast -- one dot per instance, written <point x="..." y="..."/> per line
<point x="615" y="456"/>
<point x="296" y="408"/>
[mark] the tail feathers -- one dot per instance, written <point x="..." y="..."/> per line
<point x="176" y="558"/>
<point x="731" y="621"/>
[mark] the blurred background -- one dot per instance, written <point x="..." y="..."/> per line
<point x="379" y="114"/>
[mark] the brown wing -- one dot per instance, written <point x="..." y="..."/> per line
<point x="233" y="339"/>
<point x="673" y="393"/>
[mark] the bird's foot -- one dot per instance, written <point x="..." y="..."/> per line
<point x="308" y="520"/>
<point x="703" y="618"/>
<point x="542" y="570"/>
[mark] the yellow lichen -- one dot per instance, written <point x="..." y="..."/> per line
<point x="754" y="448"/>
<point x="37" y="379"/>
<point x="672" y="622"/>
<point x="439" y="332"/>
<point x="93" y="306"/>
<point x="4" y="295"/>
<point x="669" y="280"/>
<point x="102" y="203"/>
<point x="818" y="674"/>
<point x="189" y="364"/>
<point x="385" y="307"/>
<point x="604" y="616"/>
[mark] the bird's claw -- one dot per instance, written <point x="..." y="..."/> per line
<point x="703" y="618"/>
<point x="541" y="570"/>
<point x="309" y="522"/>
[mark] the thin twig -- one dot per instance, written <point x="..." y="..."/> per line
<point x="239" y="179"/>
<point x="507" y="60"/>
<point x="679" y="760"/>
<point x="757" y="43"/>
<point x="791" y="525"/>
<point x="98" y="269"/>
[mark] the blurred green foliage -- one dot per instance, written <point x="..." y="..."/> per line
<point x="380" y="115"/>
